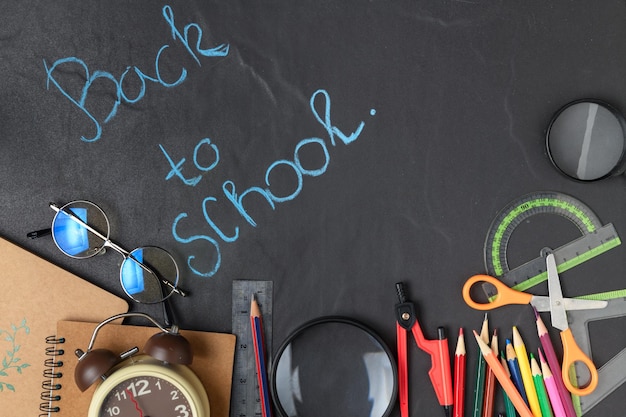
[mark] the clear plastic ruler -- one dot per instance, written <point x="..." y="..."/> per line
<point x="245" y="399"/>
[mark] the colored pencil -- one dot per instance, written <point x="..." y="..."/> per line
<point x="551" y="388"/>
<point x="542" y="394"/>
<point x="459" y="376"/>
<point x="490" y="381"/>
<point x="516" y="374"/>
<point x="256" y="324"/>
<point x="527" y="377"/>
<point x="503" y="378"/>
<point x="555" y="366"/>
<point x="481" y="369"/>
<point x="508" y="405"/>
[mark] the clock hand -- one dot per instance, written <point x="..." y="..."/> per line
<point x="132" y="398"/>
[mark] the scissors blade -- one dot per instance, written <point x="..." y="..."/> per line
<point x="582" y="304"/>
<point x="557" y="307"/>
<point x="542" y="303"/>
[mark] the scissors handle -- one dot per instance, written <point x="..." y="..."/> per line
<point x="572" y="354"/>
<point x="504" y="296"/>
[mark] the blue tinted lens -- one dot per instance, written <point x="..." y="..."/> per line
<point x="71" y="237"/>
<point x="148" y="274"/>
<point x="132" y="273"/>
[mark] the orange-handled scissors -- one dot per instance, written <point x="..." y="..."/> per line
<point x="557" y="305"/>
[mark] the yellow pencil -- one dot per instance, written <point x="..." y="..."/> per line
<point x="527" y="376"/>
<point x="503" y="378"/>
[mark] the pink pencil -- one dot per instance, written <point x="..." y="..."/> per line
<point x="555" y="367"/>
<point x="553" y="390"/>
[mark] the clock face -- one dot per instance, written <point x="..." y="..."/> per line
<point x="146" y="396"/>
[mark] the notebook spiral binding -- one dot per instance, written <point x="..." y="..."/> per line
<point x="50" y="384"/>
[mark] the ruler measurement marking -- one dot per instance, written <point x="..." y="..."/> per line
<point x="245" y="401"/>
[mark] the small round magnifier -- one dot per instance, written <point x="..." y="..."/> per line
<point x="334" y="366"/>
<point x="586" y="140"/>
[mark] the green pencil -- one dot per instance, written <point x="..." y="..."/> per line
<point x="540" y="387"/>
<point x="508" y="405"/>
<point x="481" y="369"/>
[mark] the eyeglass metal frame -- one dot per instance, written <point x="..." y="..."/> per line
<point x="108" y="243"/>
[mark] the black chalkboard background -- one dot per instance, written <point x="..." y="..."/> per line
<point x="444" y="105"/>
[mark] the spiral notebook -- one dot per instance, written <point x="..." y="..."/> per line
<point x="213" y="356"/>
<point x="35" y="296"/>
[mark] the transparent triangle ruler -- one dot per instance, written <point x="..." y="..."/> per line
<point x="245" y="398"/>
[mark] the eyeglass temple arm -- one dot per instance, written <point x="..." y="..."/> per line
<point x="116" y="247"/>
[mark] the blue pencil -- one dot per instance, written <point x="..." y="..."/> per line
<point x="256" y="323"/>
<point x="516" y="373"/>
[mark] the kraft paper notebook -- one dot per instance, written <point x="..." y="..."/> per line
<point x="35" y="296"/>
<point x="213" y="356"/>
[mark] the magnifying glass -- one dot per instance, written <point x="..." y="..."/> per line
<point x="586" y="140"/>
<point x="334" y="366"/>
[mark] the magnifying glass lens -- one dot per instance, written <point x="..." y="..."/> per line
<point x="334" y="368"/>
<point x="586" y="141"/>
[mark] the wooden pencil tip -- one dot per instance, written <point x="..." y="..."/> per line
<point x="460" y="344"/>
<point x="484" y="347"/>
<point x="536" y="312"/>
<point x="254" y="307"/>
<point x="517" y="337"/>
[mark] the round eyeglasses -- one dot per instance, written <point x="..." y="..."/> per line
<point x="148" y="274"/>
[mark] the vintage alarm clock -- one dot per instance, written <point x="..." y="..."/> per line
<point x="149" y="385"/>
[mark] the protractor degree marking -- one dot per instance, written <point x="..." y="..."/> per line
<point x="521" y="209"/>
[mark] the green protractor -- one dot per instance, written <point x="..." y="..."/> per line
<point x="595" y="238"/>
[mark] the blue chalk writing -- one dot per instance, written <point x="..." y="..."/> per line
<point x="298" y="177"/>
<point x="311" y="172"/>
<point x="194" y="238"/>
<point x="221" y="50"/>
<point x="177" y="168"/>
<point x="117" y="86"/>
<point x="327" y="123"/>
<point x="217" y="230"/>
<point x="228" y="187"/>
<point x="295" y="166"/>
